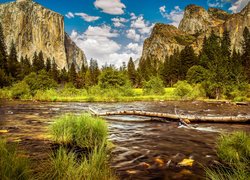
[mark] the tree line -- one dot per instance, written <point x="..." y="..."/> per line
<point x="217" y="68"/>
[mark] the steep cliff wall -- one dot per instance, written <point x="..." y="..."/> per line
<point x="34" y="28"/>
<point x="195" y="25"/>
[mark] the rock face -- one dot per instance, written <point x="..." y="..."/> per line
<point x="34" y="28"/>
<point x="195" y="25"/>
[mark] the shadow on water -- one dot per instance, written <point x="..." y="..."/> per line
<point x="144" y="149"/>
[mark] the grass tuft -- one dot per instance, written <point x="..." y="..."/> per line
<point x="12" y="164"/>
<point x="234" y="151"/>
<point x="83" y="131"/>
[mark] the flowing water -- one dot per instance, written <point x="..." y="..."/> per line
<point x="144" y="148"/>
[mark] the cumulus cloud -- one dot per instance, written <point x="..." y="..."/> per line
<point x="133" y="16"/>
<point x="215" y="3"/>
<point x="70" y="15"/>
<point x="135" y="48"/>
<point x="118" y="22"/>
<point x="162" y="9"/>
<point x="113" y="7"/>
<point x="97" y="42"/>
<point x="139" y="28"/>
<point x="175" y="15"/>
<point x="238" y="5"/>
<point x="133" y="35"/>
<point x="87" y="17"/>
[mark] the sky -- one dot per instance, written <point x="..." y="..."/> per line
<point x="112" y="31"/>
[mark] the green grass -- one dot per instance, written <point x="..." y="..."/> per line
<point x="66" y="166"/>
<point x="13" y="165"/>
<point x="234" y="151"/>
<point x="84" y="130"/>
<point x="234" y="148"/>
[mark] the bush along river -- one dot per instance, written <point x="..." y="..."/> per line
<point x="144" y="148"/>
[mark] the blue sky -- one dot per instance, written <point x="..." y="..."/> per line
<point x="111" y="31"/>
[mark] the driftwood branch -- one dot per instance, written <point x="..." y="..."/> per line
<point x="176" y="117"/>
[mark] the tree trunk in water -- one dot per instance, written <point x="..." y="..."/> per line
<point x="176" y="117"/>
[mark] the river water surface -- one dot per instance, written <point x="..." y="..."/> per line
<point x="144" y="148"/>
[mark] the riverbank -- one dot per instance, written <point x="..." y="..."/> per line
<point x="82" y="95"/>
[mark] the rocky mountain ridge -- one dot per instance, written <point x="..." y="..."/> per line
<point x="34" y="28"/>
<point x="195" y="25"/>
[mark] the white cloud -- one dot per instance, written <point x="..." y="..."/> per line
<point x="118" y="22"/>
<point x="141" y="25"/>
<point x="87" y="17"/>
<point x="139" y="28"/>
<point x="238" y="5"/>
<point x="97" y="43"/>
<point x="133" y="35"/>
<point x="135" y="48"/>
<point x="70" y="15"/>
<point x="215" y="3"/>
<point x="162" y="9"/>
<point x="133" y="16"/>
<point x="175" y="15"/>
<point x="114" y="7"/>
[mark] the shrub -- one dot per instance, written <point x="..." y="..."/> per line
<point x="40" y="81"/>
<point x="111" y="78"/>
<point x="197" y="92"/>
<point x="154" y="86"/>
<point x="46" y="95"/>
<point x="196" y="74"/>
<point x="5" y="93"/>
<point x="182" y="89"/>
<point x="84" y="131"/>
<point x="20" y="90"/>
<point x="12" y="164"/>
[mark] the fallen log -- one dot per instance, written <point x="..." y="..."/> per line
<point x="176" y="117"/>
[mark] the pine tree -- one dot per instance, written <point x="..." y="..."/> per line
<point x="63" y="76"/>
<point x="187" y="60"/>
<point x="131" y="72"/>
<point x="3" y="51"/>
<point x="236" y="69"/>
<point x="94" y="72"/>
<point x="40" y="64"/>
<point x="246" y="53"/>
<point x="54" y="71"/>
<point x="48" y="65"/>
<point x="72" y="74"/>
<point x="226" y="44"/>
<point x="35" y="63"/>
<point x="13" y="64"/>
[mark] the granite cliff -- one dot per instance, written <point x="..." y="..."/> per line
<point x="195" y="25"/>
<point x="34" y="28"/>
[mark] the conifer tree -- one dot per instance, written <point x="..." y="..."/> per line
<point x="35" y="63"/>
<point x="41" y="65"/>
<point x="131" y="71"/>
<point x="187" y="60"/>
<point x="3" y="51"/>
<point x="94" y="72"/>
<point x="72" y="74"/>
<point x="48" y="65"/>
<point x="226" y="44"/>
<point x="54" y="71"/>
<point x="63" y="76"/>
<point x="246" y="53"/>
<point x="13" y="64"/>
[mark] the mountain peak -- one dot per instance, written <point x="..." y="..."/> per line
<point x="19" y="1"/>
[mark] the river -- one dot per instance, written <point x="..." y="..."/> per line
<point x="143" y="149"/>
